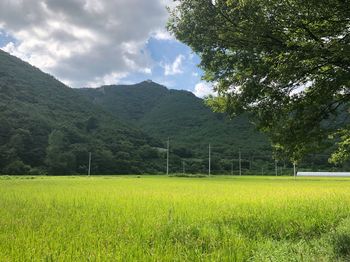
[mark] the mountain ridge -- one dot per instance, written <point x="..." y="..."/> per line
<point x="46" y="126"/>
<point x="178" y="115"/>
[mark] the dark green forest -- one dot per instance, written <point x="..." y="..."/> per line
<point x="191" y="126"/>
<point x="49" y="128"/>
<point x="188" y="123"/>
<point x="180" y="116"/>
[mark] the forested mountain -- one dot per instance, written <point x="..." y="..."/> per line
<point x="191" y="126"/>
<point x="182" y="117"/>
<point x="49" y="128"/>
<point x="46" y="127"/>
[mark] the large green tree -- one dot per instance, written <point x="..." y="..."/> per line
<point x="285" y="61"/>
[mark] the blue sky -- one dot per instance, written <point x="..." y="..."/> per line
<point x="88" y="43"/>
<point x="165" y="54"/>
<point x="5" y="39"/>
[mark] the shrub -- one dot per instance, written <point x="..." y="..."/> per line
<point x="37" y="172"/>
<point x="17" y="168"/>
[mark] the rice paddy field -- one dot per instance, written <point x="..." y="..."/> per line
<point x="159" y="218"/>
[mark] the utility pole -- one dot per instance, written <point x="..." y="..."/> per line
<point x="276" y="168"/>
<point x="240" y="163"/>
<point x="209" y="161"/>
<point x="89" y="170"/>
<point x="232" y="168"/>
<point x="251" y="163"/>
<point x="183" y="167"/>
<point x="167" y="157"/>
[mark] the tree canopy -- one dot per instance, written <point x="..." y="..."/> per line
<point x="287" y="62"/>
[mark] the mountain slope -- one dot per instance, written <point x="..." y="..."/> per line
<point x="46" y="126"/>
<point x="181" y="116"/>
<point x="130" y="103"/>
<point x="191" y="126"/>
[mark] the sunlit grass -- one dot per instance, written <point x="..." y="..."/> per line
<point x="172" y="219"/>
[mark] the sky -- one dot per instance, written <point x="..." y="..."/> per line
<point x="90" y="43"/>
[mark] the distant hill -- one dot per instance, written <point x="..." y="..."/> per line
<point x="190" y="125"/>
<point x="46" y="127"/>
<point x="49" y="128"/>
<point x="182" y="117"/>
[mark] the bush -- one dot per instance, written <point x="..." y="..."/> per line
<point x="37" y="172"/>
<point x="17" y="168"/>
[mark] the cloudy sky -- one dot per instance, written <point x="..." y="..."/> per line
<point x="89" y="43"/>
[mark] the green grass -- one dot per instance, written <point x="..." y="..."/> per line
<point x="174" y="219"/>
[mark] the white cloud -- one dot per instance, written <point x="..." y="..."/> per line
<point x="163" y="35"/>
<point x="175" y="68"/>
<point x="84" y="41"/>
<point x="203" y="89"/>
<point x="165" y="82"/>
<point x="106" y="80"/>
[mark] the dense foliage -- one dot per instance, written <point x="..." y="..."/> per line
<point x="191" y="126"/>
<point x="187" y="122"/>
<point x="46" y="127"/>
<point x="286" y="62"/>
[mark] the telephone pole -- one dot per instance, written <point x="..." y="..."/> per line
<point x="276" y="168"/>
<point x="232" y="168"/>
<point x="167" y="157"/>
<point x="89" y="170"/>
<point x="209" y="161"/>
<point x="240" y="163"/>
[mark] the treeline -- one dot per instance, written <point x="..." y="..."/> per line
<point x="38" y="149"/>
<point x="35" y="148"/>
